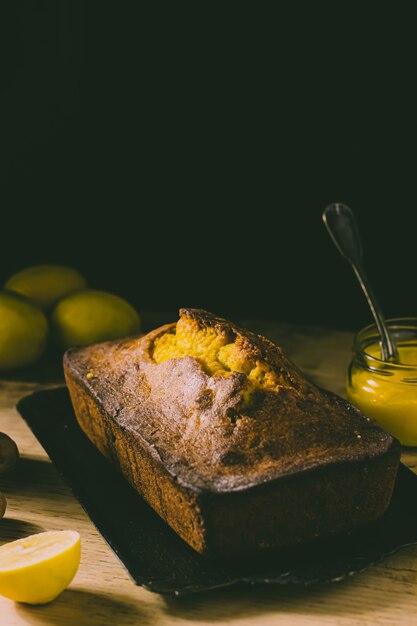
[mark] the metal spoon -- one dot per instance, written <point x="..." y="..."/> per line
<point x="341" y="224"/>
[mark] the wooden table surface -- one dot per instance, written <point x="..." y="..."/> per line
<point x="102" y="592"/>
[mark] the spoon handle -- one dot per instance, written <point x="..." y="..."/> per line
<point x="341" y="225"/>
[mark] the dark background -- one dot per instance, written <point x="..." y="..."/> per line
<point x="184" y="158"/>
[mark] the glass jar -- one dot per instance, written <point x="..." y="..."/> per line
<point x="387" y="392"/>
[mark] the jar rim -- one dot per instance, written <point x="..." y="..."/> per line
<point x="397" y="323"/>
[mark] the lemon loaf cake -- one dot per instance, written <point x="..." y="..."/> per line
<point x="227" y="440"/>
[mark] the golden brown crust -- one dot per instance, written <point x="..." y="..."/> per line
<point x="187" y="429"/>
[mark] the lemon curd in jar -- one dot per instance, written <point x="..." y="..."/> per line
<point x="387" y="392"/>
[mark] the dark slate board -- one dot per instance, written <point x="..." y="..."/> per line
<point x="159" y="560"/>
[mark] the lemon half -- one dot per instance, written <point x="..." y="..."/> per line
<point x="38" y="568"/>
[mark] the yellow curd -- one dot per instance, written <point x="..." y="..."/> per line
<point x="387" y="392"/>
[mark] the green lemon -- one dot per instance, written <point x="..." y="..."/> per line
<point x="3" y="505"/>
<point x="46" y="284"/>
<point x="9" y="453"/>
<point x="91" y="316"/>
<point x="23" y="331"/>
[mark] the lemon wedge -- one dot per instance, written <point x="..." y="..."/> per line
<point x="38" y="568"/>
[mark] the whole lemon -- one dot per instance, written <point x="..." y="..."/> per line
<point x="91" y="316"/>
<point x="46" y="284"/>
<point x="23" y="331"/>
